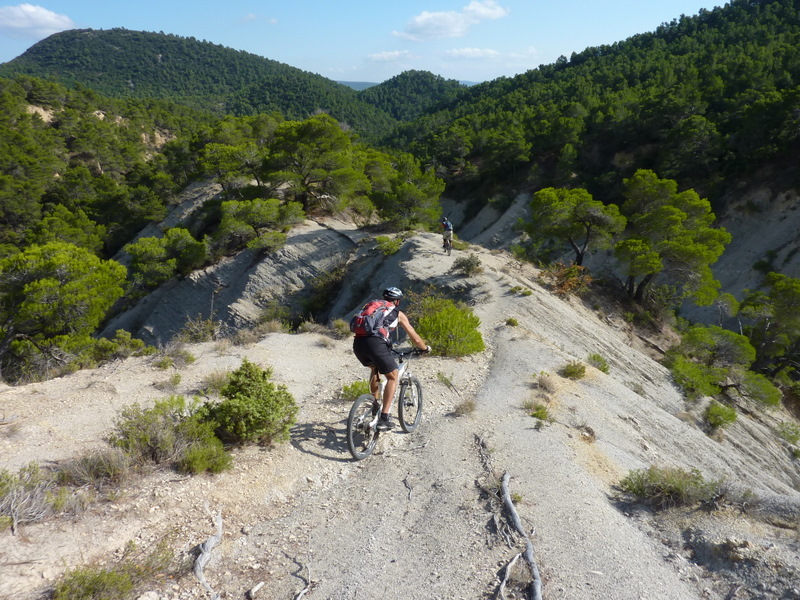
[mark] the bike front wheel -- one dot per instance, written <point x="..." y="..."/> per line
<point x="361" y="438"/>
<point x="410" y="404"/>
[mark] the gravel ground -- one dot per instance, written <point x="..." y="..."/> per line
<point x="421" y="517"/>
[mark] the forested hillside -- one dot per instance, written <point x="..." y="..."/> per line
<point x="412" y="94"/>
<point x="136" y="64"/>
<point x="627" y="147"/>
<point x="703" y="100"/>
<point x="81" y="175"/>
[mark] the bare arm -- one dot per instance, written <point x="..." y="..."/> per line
<point x="412" y="333"/>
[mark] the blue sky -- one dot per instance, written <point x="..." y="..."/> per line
<point x="365" y="40"/>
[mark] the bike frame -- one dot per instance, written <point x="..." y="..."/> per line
<point x="401" y="371"/>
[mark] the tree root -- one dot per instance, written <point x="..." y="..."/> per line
<point x="205" y="555"/>
<point x="536" y="591"/>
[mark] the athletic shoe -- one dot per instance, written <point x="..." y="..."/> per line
<point x="384" y="425"/>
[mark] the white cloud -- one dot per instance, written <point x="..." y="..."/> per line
<point x="529" y="52"/>
<point x="434" y="25"/>
<point x="482" y="11"/>
<point x="392" y="56"/>
<point x="251" y="17"/>
<point x="473" y="53"/>
<point x="28" y="20"/>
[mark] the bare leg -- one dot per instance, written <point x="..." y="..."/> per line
<point x="388" y="391"/>
<point x="374" y="382"/>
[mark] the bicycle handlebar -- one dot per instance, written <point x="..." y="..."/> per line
<point x="409" y="352"/>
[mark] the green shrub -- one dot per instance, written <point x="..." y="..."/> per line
<point x="540" y="411"/>
<point x="666" y="487"/>
<point x="574" y="370"/>
<point x="341" y="329"/>
<point x="254" y="408"/>
<point x="121" y="346"/>
<point x="91" y="583"/>
<point x="206" y="454"/>
<point x="761" y="389"/>
<point x="467" y="265"/>
<point x="695" y="379"/>
<point x="460" y="245"/>
<point x="450" y="329"/>
<point x="598" y="362"/>
<point x="164" y="362"/>
<point x="166" y="433"/>
<point x="718" y="415"/>
<point x="387" y="245"/>
<point x="789" y="432"/>
<point x="351" y="391"/>
<point x="512" y="322"/>
<point x="269" y="241"/>
<point x="119" y="581"/>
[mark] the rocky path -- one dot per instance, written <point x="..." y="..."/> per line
<point x="419" y="518"/>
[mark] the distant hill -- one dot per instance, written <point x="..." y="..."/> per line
<point x="357" y="85"/>
<point x="710" y="101"/>
<point x="135" y="64"/>
<point x="412" y="94"/>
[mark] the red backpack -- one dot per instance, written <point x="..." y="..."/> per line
<point x="371" y="320"/>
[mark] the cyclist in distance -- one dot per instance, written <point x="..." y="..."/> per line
<point x="374" y="351"/>
<point x="447" y="232"/>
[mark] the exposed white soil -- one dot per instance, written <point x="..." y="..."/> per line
<point x="420" y="518"/>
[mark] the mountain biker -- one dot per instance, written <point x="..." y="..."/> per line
<point x="447" y="232"/>
<point x="374" y="351"/>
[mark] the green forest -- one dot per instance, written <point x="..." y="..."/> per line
<point x="629" y="147"/>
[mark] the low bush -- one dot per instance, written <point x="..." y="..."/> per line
<point x="598" y="362"/>
<point x="451" y="329"/>
<point x="467" y="265"/>
<point x="254" y="408"/>
<point x="171" y="433"/>
<point x="198" y="330"/>
<point x="122" y="345"/>
<point x="574" y="370"/>
<point x="267" y="242"/>
<point x="214" y="381"/>
<point x="110" y="466"/>
<point x="695" y="379"/>
<point x="566" y="280"/>
<point x="759" y="388"/>
<point x="718" y="415"/>
<point x="789" y="432"/>
<point x="340" y="329"/>
<point x="121" y="580"/>
<point x="667" y="487"/>
<point x="351" y="391"/>
<point x="465" y="407"/>
<point x="388" y="245"/>
<point x="25" y="496"/>
<point x="512" y="322"/>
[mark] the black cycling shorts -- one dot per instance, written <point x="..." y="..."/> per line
<point x="374" y="352"/>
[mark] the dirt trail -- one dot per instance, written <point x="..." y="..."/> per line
<point x="417" y="519"/>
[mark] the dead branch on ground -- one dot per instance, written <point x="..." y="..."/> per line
<point x="536" y="591"/>
<point x="205" y="554"/>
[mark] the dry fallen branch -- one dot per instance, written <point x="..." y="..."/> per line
<point x="205" y="555"/>
<point x="536" y="591"/>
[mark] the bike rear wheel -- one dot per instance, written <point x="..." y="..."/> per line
<point x="449" y="247"/>
<point x="361" y="438"/>
<point x="409" y="407"/>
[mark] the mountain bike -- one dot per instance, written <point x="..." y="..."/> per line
<point x="447" y="245"/>
<point x="362" y="432"/>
